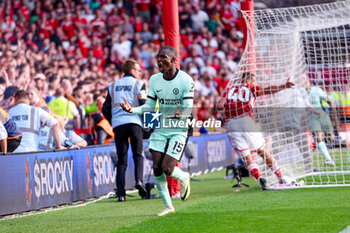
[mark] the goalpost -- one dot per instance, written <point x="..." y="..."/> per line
<point x="310" y="42"/>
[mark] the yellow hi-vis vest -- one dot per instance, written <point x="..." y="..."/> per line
<point x="344" y="108"/>
<point x="61" y="107"/>
<point x="333" y="96"/>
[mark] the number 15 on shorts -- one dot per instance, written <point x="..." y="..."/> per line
<point x="178" y="147"/>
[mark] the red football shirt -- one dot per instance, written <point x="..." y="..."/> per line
<point x="68" y="28"/>
<point x="238" y="100"/>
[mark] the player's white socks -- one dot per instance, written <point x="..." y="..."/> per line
<point x="323" y="148"/>
<point x="162" y="186"/>
<point x="179" y="174"/>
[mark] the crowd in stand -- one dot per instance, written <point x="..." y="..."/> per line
<point x="80" y="45"/>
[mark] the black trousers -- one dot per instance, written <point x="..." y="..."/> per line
<point x="122" y="134"/>
<point x="13" y="143"/>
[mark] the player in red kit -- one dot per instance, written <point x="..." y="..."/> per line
<point x="243" y="132"/>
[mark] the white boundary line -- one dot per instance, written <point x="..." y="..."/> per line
<point x="49" y="209"/>
<point x="308" y="186"/>
<point x="74" y="205"/>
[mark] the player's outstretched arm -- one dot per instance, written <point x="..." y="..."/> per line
<point x="274" y="89"/>
<point x="126" y="106"/>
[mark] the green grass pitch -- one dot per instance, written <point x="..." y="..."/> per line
<point x="212" y="207"/>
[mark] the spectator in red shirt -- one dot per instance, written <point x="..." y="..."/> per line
<point x="24" y="12"/>
<point x="98" y="49"/>
<point x="84" y="44"/>
<point x="68" y="26"/>
<point x="53" y="20"/>
<point x="100" y="33"/>
<point x="45" y="25"/>
<point x="211" y="5"/>
<point x="138" y="24"/>
<point x="203" y="112"/>
<point x="227" y="17"/>
<point x="99" y="21"/>
<point x="80" y="23"/>
<point x="216" y="64"/>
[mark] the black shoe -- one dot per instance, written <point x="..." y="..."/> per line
<point x="121" y="199"/>
<point x="142" y="190"/>
<point x="262" y="183"/>
<point x="282" y="181"/>
<point x="291" y="182"/>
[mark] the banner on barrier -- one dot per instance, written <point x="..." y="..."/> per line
<point x="33" y="181"/>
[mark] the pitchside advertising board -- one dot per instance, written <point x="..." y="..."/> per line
<point x="32" y="181"/>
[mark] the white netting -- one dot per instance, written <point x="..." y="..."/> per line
<point x="310" y="41"/>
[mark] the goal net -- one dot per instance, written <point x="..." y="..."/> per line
<point x="303" y="43"/>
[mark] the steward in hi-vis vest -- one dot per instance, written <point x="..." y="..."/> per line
<point x="65" y="108"/>
<point x="344" y="104"/>
<point x="30" y="120"/>
<point x="126" y="125"/>
<point x="101" y="129"/>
